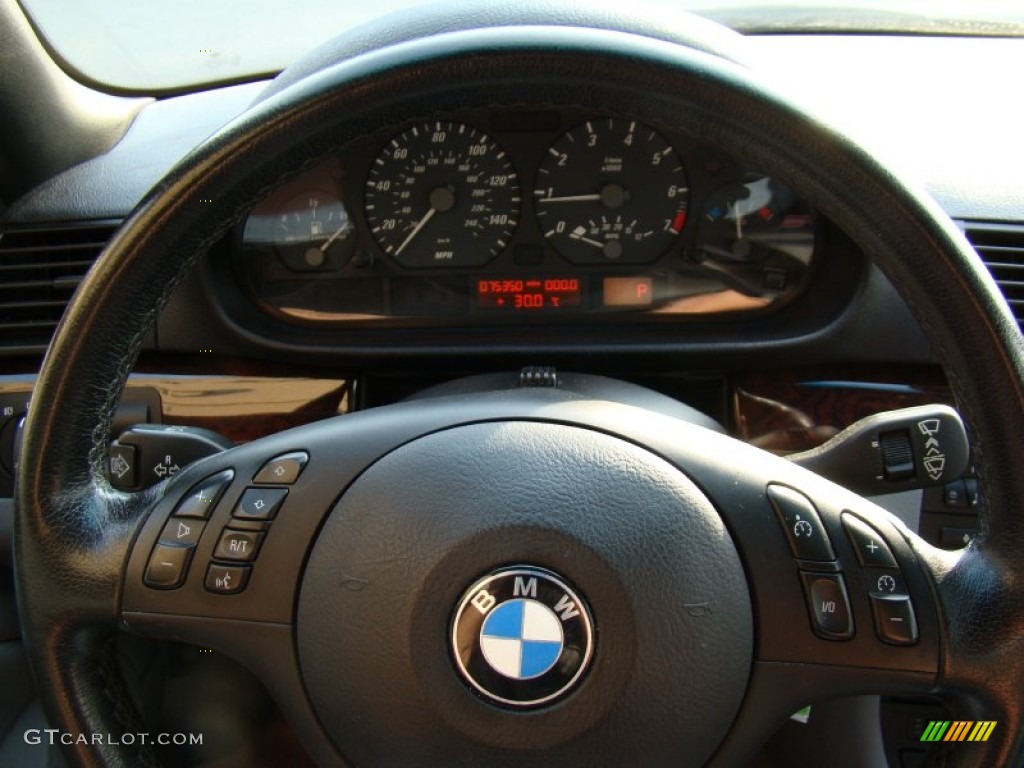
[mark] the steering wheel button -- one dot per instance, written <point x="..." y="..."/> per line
<point x="204" y="496"/>
<point x="260" y="503"/>
<point x="167" y="566"/>
<point x="884" y="582"/>
<point x="282" y="470"/>
<point x="871" y="548"/>
<point x="182" y="532"/>
<point x="895" y="622"/>
<point x="828" y="604"/>
<point x="238" y="545"/>
<point x="801" y="524"/>
<point x="227" y="579"/>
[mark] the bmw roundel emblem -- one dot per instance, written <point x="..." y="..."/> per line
<point x="522" y="637"/>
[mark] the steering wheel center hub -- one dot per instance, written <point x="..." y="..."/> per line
<point x="513" y="574"/>
<point x="522" y="636"/>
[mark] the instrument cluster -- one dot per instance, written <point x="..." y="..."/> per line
<point x="514" y="214"/>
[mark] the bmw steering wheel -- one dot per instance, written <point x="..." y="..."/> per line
<point x="524" y="569"/>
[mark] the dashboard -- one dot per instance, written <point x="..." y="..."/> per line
<point x="510" y="214"/>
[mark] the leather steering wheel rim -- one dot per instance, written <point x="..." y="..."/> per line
<point x="73" y="531"/>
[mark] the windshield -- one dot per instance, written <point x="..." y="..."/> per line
<point x="151" y="47"/>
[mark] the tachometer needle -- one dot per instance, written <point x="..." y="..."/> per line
<point x="416" y="230"/>
<point x="577" y="236"/>
<point x="571" y="199"/>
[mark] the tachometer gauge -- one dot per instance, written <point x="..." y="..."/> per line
<point x="611" y="191"/>
<point x="442" y="194"/>
<point x="757" y="233"/>
<point x="309" y="231"/>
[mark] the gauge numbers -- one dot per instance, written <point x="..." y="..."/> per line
<point x="611" y="191"/>
<point x="442" y="194"/>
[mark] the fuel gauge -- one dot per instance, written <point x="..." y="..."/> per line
<point x="757" y="236"/>
<point x="310" y="231"/>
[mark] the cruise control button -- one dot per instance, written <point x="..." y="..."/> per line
<point x="227" y="579"/>
<point x="895" y="622"/>
<point x="167" y="566"/>
<point x="801" y="524"/>
<point x="204" y="496"/>
<point x="238" y="545"/>
<point x="871" y="548"/>
<point x="885" y="581"/>
<point x="828" y="604"/>
<point x="260" y="503"/>
<point x="282" y="470"/>
<point x="184" y="532"/>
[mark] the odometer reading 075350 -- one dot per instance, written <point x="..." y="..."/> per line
<point x="526" y="293"/>
<point x="442" y="194"/>
<point x="611" y="191"/>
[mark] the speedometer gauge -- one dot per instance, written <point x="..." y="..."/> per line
<point x="442" y="194"/>
<point x="611" y="191"/>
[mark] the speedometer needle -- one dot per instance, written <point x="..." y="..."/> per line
<point x="416" y="230"/>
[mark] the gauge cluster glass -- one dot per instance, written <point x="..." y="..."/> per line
<point x="428" y="223"/>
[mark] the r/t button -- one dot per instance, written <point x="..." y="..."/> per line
<point x="238" y="545"/>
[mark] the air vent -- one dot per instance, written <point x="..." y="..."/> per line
<point x="40" y="267"/>
<point x="1001" y="247"/>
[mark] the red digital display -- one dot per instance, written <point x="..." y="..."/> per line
<point x="531" y="293"/>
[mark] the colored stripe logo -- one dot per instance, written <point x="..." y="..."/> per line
<point x="958" y="730"/>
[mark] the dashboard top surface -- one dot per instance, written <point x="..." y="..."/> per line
<point x="929" y="105"/>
